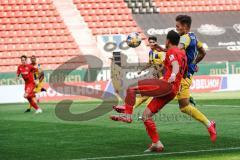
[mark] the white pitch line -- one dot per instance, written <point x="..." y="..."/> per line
<point x="211" y="105"/>
<point x="215" y="105"/>
<point x="160" y="154"/>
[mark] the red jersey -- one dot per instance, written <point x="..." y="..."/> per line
<point x="27" y="72"/>
<point x="175" y="54"/>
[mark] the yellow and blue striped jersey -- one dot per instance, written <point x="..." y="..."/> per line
<point x="156" y="57"/>
<point x="39" y="73"/>
<point x="191" y="45"/>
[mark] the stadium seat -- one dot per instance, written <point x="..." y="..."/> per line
<point x="107" y="16"/>
<point x="33" y="27"/>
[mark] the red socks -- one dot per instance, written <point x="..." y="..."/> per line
<point x="130" y="100"/>
<point x="130" y="97"/>
<point x="151" y="130"/>
<point x="128" y="109"/>
<point x="33" y="104"/>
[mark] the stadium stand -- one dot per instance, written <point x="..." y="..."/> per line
<point x="39" y="27"/>
<point x="143" y="6"/>
<point x="173" y="6"/>
<point x="33" y="27"/>
<point x="107" y="16"/>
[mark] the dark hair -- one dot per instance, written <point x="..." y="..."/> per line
<point x="23" y="56"/>
<point x="152" y="38"/>
<point x="184" y="19"/>
<point x="173" y="37"/>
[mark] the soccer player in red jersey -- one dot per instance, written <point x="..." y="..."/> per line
<point x="175" y="66"/>
<point x="27" y="73"/>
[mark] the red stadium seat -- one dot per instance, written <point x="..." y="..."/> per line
<point x="106" y="16"/>
<point x="33" y="27"/>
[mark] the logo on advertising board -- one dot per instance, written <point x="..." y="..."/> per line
<point x="211" y="30"/>
<point x="153" y="31"/>
<point x="231" y="46"/>
<point x="236" y="27"/>
<point x="93" y="89"/>
<point x="208" y="83"/>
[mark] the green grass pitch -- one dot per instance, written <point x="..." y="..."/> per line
<point x="28" y="136"/>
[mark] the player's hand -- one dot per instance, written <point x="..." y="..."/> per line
<point x="172" y="78"/>
<point x="159" y="48"/>
<point x="196" y="68"/>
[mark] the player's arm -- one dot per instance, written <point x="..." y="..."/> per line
<point x="18" y="73"/>
<point x="184" y="42"/>
<point x="41" y="76"/>
<point x="159" y="48"/>
<point x="175" y="68"/>
<point x="201" y="53"/>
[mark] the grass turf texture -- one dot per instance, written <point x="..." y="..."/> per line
<point x="29" y="136"/>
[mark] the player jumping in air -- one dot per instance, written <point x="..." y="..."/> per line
<point x="175" y="65"/>
<point x="27" y="72"/>
<point x="38" y="77"/>
<point x="195" y="53"/>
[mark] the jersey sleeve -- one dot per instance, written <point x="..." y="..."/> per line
<point x="199" y="44"/>
<point x="40" y="71"/>
<point x="185" y="40"/>
<point x="171" y="56"/>
<point x="159" y="59"/>
<point x="40" y="68"/>
<point x="150" y="56"/>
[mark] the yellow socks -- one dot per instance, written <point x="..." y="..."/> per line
<point x="140" y="100"/>
<point x="29" y="107"/>
<point x="196" y="114"/>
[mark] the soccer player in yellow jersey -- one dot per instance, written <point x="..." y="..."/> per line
<point x="195" y="53"/>
<point x="156" y="59"/>
<point x="38" y="78"/>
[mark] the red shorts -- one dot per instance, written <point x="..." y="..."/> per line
<point x="29" y="90"/>
<point x="157" y="103"/>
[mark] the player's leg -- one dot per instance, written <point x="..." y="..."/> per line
<point x="153" y="107"/>
<point x="187" y="108"/>
<point x="152" y="132"/>
<point x="139" y="100"/>
<point x="149" y="87"/>
<point x="30" y="96"/>
<point x="28" y="109"/>
<point x="36" y="90"/>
